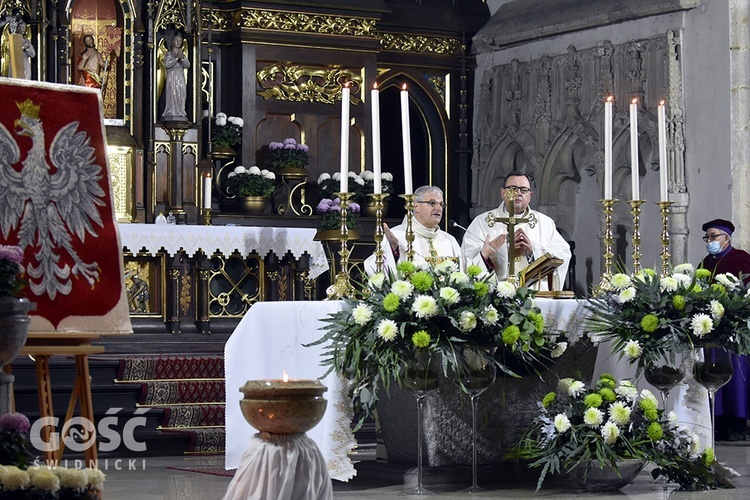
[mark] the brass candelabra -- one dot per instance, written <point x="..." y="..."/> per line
<point x="342" y="287"/>
<point x="410" y="203"/>
<point x="636" y="212"/>
<point x="608" y="205"/>
<point x="378" y="236"/>
<point x="664" y="209"/>
<point x="206" y="216"/>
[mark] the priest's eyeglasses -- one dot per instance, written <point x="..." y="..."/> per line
<point x="520" y="189"/>
<point x="713" y="237"/>
<point x="433" y="203"/>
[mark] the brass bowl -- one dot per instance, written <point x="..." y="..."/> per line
<point x="279" y="407"/>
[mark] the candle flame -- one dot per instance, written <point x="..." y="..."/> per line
<point x="346" y="84"/>
<point x="661" y="103"/>
<point x="610" y="98"/>
<point x="285" y="378"/>
<point x="404" y="87"/>
<point x="375" y="86"/>
<point x="635" y="100"/>
<point x="208" y="174"/>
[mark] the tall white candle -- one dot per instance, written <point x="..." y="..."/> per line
<point x="406" y="135"/>
<point x="376" y="169"/>
<point x="345" y="139"/>
<point x="608" y="105"/>
<point x="663" y="167"/>
<point x="634" y="149"/>
<point x="207" y="190"/>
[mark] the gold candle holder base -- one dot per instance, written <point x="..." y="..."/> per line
<point x="604" y="283"/>
<point x="636" y="212"/>
<point x="378" y="236"/>
<point x="206" y="216"/>
<point x="664" y="210"/>
<point x="342" y="287"/>
<point x="410" y="204"/>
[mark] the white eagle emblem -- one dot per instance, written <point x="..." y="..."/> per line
<point x="50" y="201"/>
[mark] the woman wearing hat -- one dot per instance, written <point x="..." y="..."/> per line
<point x="732" y="400"/>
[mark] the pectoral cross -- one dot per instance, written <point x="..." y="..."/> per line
<point x="510" y="222"/>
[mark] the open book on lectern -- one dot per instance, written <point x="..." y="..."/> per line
<point x="541" y="268"/>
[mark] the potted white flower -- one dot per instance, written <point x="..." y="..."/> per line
<point x="250" y="187"/>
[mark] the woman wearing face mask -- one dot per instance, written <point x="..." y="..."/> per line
<point x="732" y="400"/>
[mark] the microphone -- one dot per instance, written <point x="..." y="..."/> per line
<point x="452" y="223"/>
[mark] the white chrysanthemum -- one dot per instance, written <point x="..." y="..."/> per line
<point x="729" y="280"/>
<point x="76" y="479"/>
<point x="683" y="279"/>
<point x="45" y="480"/>
<point x="336" y="176"/>
<point x="672" y="416"/>
<point x="506" y="289"/>
<point x="489" y="315"/>
<point x="562" y="423"/>
<point x="620" y="281"/>
<point x="627" y="390"/>
<point x="610" y="433"/>
<point x="576" y="388"/>
<point x="362" y="314"/>
<point x="717" y="309"/>
<point x="593" y="417"/>
<point x="449" y="295"/>
<point x="467" y="321"/>
<point x="669" y="284"/>
<point x="619" y="413"/>
<point x="695" y="445"/>
<point x="96" y="478"/>
<point x="559" y="349"/>
<point x="402" y="288"/>
<point x="633" y="349"/>
<point x="367" y="175"/>
<point x="387" y="176"/>
<point x="646" y="394"/>
<point x="425" y="306"/>
<point x="701" y="324"/>
<point x="445" y="267"/>
<point x="686" y="268"/>
<point x="626" y="295"/>
<point x="254" y="170"/>
<point x="458" y="278"/>
<point x="564" y="383"/>
<point x="239" y="169"/>
<point x="377" y="280"/>
<point x="323" y="177"/>
<point x="387" y="329"/>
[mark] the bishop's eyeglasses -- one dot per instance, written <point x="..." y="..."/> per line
<point x="433" y="203"/>
<point x="713" y="237"/>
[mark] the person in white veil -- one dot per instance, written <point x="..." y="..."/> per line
<point x="431" y="244"/>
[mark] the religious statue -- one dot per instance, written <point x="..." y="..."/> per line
<point x="175" y="62"/>
<point x="91" y="64"/>
<point x="16" y="51"/>
<point x="138" y="294"/>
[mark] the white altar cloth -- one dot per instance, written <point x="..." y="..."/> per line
<point x="226" y="239"/>
<point x="281" y="467"/>
<point x="267" y="342"/>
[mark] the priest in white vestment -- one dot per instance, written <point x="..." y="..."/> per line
<point x="484" y="243"/>
<point x="431" y="244"/>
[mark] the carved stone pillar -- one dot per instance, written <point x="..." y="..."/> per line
<point x="202" y="313"/>
<point x="174" y="270"/>
<point x="176" y="132"/>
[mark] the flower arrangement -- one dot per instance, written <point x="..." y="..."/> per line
<point x="288" y="154"/>
<point x="597" y="427"/>
<point x="436" y="311"/>
<point x="11" y="283"/>
<point x="650" y="316"/>
<point x="330" y="214"/>
<point x="250" y="181"/>
<point x="13" y="427"/>
<point x="227" y="130"/>
<point x="360" y="184"/>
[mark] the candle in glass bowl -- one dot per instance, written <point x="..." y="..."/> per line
<point x="406" y="136"/>
<point x="344" y="188"/>
<point x="634" y="150"/>
<point x="376" y="169"/>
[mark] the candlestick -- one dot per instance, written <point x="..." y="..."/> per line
<point x="376" y="169"/>
<point x="663" y="167"/>
<point x="344" y="188"/>
<point x="378" y="236"/>
<point x="410" y="203"/>
<point x="342" y="287"/>
<point x="636" y="211"/>
<point x="608" y="239"/>
<point x="406" y="136"/>
<point x="608" y="105"/>
<point x="664" y="209"/>
<point x="207" y="190"/>
<point x="634" y="149"/>
<point x="206" y="215"/>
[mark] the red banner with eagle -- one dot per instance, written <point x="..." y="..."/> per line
<point x="56" y="204"/>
